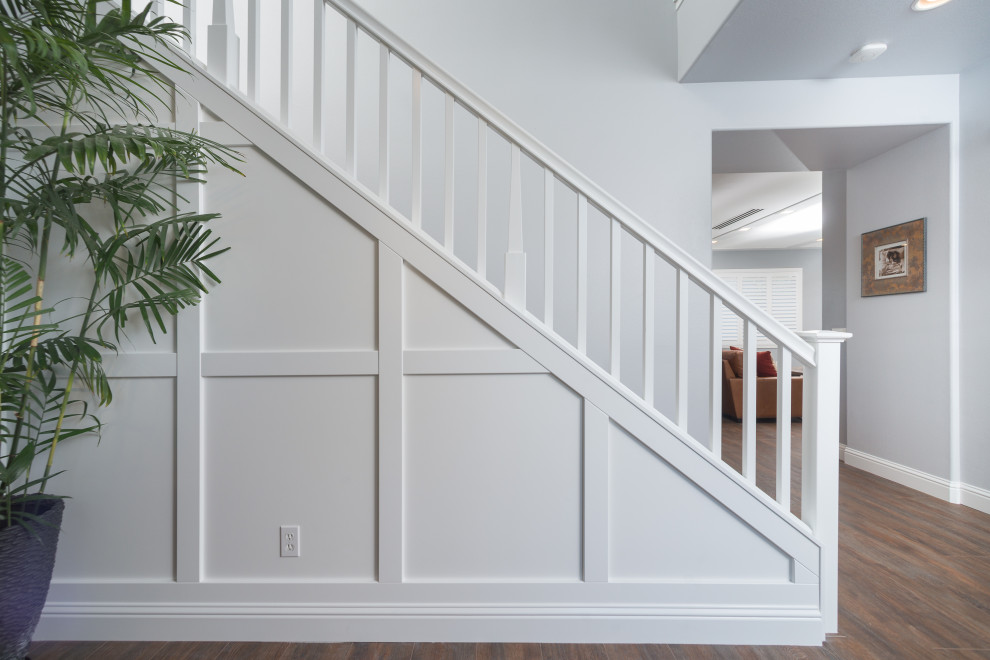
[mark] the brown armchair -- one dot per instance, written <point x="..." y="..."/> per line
<point x="766" y="393"/>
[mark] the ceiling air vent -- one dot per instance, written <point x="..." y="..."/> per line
<point x="732" y="221"/>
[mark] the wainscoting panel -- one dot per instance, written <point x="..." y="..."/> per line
<point x="493" y="478"/>
<point x="120" y="521"/>
<point x="433" y="320"/>
<point x="290" y="451"/>
<point x="662" y="527"/>
<point x="299" y="276"/>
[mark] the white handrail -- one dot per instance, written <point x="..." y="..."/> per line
<point x="698" y="272"/>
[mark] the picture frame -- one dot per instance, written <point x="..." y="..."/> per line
<point x="893" y="259"/>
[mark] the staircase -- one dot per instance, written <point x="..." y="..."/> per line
<point x="563" y="237"/>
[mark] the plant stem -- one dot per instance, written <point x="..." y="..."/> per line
<point x="68" y="388"/>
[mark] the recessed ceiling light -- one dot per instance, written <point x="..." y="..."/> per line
<point x="925" y="5"/>
<point x="745" y="228"/>
<point x="714" y="241"/>
<point x="868" y="52"/>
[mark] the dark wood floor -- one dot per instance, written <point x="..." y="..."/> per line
<point x="914" y="582"/>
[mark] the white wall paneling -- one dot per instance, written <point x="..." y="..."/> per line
<point x="189" y="396"/>
<point x="595" y="496"/>
<point x="493" y="482"/>
<point x="653" y="528"/>
<point x="291" y="450"/>
<point x="390" y="416"/>
<point x="475" y="296"/>
<point x="132" y="476"/>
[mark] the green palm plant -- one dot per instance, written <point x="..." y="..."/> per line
<point x="85" y="174"/>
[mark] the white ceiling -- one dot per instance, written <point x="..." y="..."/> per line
<point x="774" y="170"/>
<point x="811" y="149"/>
<point x="788" y="204"/>
<point x="810" y="39"/>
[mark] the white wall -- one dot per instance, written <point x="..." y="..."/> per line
<point x="975" y="274"/>
<point x="809" y="261"/>
<point x="898" y="380"/>
<point x="834" y="205"/>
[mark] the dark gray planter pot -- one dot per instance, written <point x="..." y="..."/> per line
<point x="26" y="564"/>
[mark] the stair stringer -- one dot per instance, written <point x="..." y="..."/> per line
<point x="620" y="404"/>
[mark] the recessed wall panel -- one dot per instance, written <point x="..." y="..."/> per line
<point x="663" y="527"/>
<point x="434" y="320"/>
<point x="119" y="523"/>
<point x="290" y="451"/>
<point x="298" y="276"/>
<point x="492" y="478"/>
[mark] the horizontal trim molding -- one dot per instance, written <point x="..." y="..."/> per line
<point x="565" y="625"/>
<point x="681" y="612"/>
<point x="365" y="363"/>
<point x="290" y="363"/>
<point x="901" y="474"/>
<point x="974" y="497"/>
<point x="451" y="362"/>
<point x="516" y="594"/>
<point x="971" y="496"/>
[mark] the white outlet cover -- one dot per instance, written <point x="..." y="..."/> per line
<point x="288" y="538"/>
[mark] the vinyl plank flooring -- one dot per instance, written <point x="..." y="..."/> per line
<point x="129" y="650"/>
<point x="441" y="651"/>
<point x="64" y="650"/>
<point x="574" y="651"/>
<point x="638" y="652"/>
<point x="316" y="652"/>
<point x="254" y="650"/>
<point x="380" y="651"/>
<point x="509" y="652"/>
<point x="190" y="651"/>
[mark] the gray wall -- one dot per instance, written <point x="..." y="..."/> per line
<point x="898" y="358"/>
<point x="834" y="272"/>
<point x="975" y="275"/>
<point x="809" y="261"/>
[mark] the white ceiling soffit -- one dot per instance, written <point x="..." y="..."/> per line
<point x="797" y="150"/>
<point x="795" y="40"/>
<point x="775" y="210"/>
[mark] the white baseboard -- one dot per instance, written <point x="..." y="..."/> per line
<point x="186" y="622"/>
<point x="978" y="498"/>
<point x="971" y="496"/>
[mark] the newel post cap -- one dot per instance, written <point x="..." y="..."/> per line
<point x="824" y="336"/>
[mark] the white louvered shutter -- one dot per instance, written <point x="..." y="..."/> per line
<point x="777" y="291"/>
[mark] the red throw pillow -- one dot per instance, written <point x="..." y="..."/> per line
<point x="764" y="365"/>
<point x="765" y="368"/>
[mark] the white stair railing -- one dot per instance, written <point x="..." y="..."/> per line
<point x="816" y="352"/>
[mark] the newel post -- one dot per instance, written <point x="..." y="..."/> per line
<point x="223" y="47"/>
<point x="820" y="463"/>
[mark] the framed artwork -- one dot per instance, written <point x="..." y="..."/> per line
<point x="894" y="259"/>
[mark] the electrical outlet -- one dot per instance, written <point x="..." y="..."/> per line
<point x="289" y="540"/>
